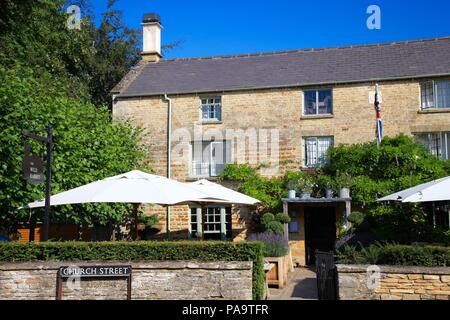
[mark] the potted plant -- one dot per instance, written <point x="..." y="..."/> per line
<point x="291" y="186"/>
<point x="305" y="187"/>
<point x="344" y="181"/>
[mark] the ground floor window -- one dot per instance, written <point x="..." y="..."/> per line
<point x="438" y="143"/>
<point x="217" y="223"/>
<point x="315" y="150"/>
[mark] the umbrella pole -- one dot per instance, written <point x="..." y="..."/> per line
<point x="203" y="221"/>
<point x="135" y="218"/>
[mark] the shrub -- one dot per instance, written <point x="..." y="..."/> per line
<point x="394" y="254"/>
<point x="282" y="217"/>
<point x="275" y="245"/>
<point x="141" y="250"/>
<point x="356" y="218"/>
<point x="274" y="223"/>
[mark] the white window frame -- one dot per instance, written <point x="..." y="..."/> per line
<point x="434" y="92"/>
<point x="305" y="150"/>
<point x="199" y="225"/>
<point x="209" y="166"/>
<point x="317" y="101"/>
<point x="216" y="109"/>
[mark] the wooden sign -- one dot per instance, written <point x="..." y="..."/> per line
<point x="32" y="169"/>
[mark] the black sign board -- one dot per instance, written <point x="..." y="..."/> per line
<point x="33" y="168"/>
<point x="95" y="271"/>
<point x="108" y="271"/>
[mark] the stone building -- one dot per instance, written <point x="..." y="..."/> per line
<point x="282" y="109"/>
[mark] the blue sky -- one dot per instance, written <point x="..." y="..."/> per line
<point x="218" y="27"/>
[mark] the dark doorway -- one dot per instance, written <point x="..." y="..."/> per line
<point x="320" y="231"/>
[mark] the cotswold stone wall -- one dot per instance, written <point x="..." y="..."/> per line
<point x="150" y="280"/>
<point x="396" y="283"/>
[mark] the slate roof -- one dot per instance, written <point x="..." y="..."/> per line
<point x="359" y="63"/>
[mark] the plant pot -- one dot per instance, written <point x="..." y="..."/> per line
<point x="305" y="195"/>
<point x="329" y="193"/>
<point x="344" y="193"/>
<point x="291" y="194"/>
<point x="277" y="276"/>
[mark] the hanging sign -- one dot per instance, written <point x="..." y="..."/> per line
<point x="32" y="167"/>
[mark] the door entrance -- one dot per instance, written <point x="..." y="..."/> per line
<point x="320" y="231"/>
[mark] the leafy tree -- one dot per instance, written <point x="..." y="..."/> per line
<point x="87" y="146"/>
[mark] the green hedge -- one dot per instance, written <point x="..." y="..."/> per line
<point x="141" y="250"/>
<point x="394" y="254"/>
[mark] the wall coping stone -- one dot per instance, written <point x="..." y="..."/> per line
<point x="175" y="264"/>
<point x="358" y="268"/>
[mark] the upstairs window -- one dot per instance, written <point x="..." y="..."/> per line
<point x="209" y="158"/>
<point x="435" y="94"/>
<point x="211" y="109"/>
<point x="318" y="102"/>
<point x="316" y="150"/>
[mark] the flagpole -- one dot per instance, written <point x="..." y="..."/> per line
<point x="379" y="123"/>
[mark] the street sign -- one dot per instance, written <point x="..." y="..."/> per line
<point x="33" y="168"/>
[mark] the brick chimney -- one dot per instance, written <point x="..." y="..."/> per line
<point x="151" y="27"/>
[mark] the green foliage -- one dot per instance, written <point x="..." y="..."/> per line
<point x="274" y="223"/>
<point x="394" y="254"/>
<point x="35" y="35"/>
<point x="300" y="181"/>
<point x="148" y="220"/>
<point x="373" y="172"/>
<point x="87" y="146"/>
<point x="356" y="218"/>
<point x="275" y="245"/>
<point x="268" y="190"/>
<point x="275" y="227"/>
<point x="282" y="217"/>
<point x="267" y="218"/>
<point x="141" y="250"/>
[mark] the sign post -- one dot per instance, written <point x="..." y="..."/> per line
<point x="31" y="167"/>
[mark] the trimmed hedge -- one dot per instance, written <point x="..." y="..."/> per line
<point x="141" y="250"/>
<point x="394" y="254"/>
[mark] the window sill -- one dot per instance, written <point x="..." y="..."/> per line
<point x="434" y="110"/>
<point x="196" y="178"/>
<point x="205" y="122"/>
<point x="316" y="116"/>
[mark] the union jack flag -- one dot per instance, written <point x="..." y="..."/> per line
<point x="379" y="129"/>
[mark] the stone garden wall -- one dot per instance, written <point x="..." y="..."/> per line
<point x="395" y="283"/>
<point x="150" y="280"/>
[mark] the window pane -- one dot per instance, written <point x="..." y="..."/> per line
<point x="311" y="151"/>
<point x="310" y="102"/>
<point x="200" y="158"/>
<point x="448" y="145"/>
<point x="211" y="109"/>
<point x="443" y="94"/>
<point x="427" y="95"/>
<point x="325" y="102"/>
<point x="324" y="144"/>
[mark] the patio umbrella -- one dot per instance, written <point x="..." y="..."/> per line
<point x="134" y="187"/>
<point x="131" y="187"/>
<point x="217" y="191"/>
<point x="436" y="190"/>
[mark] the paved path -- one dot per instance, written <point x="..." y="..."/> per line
<point x="301" y="285"/>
